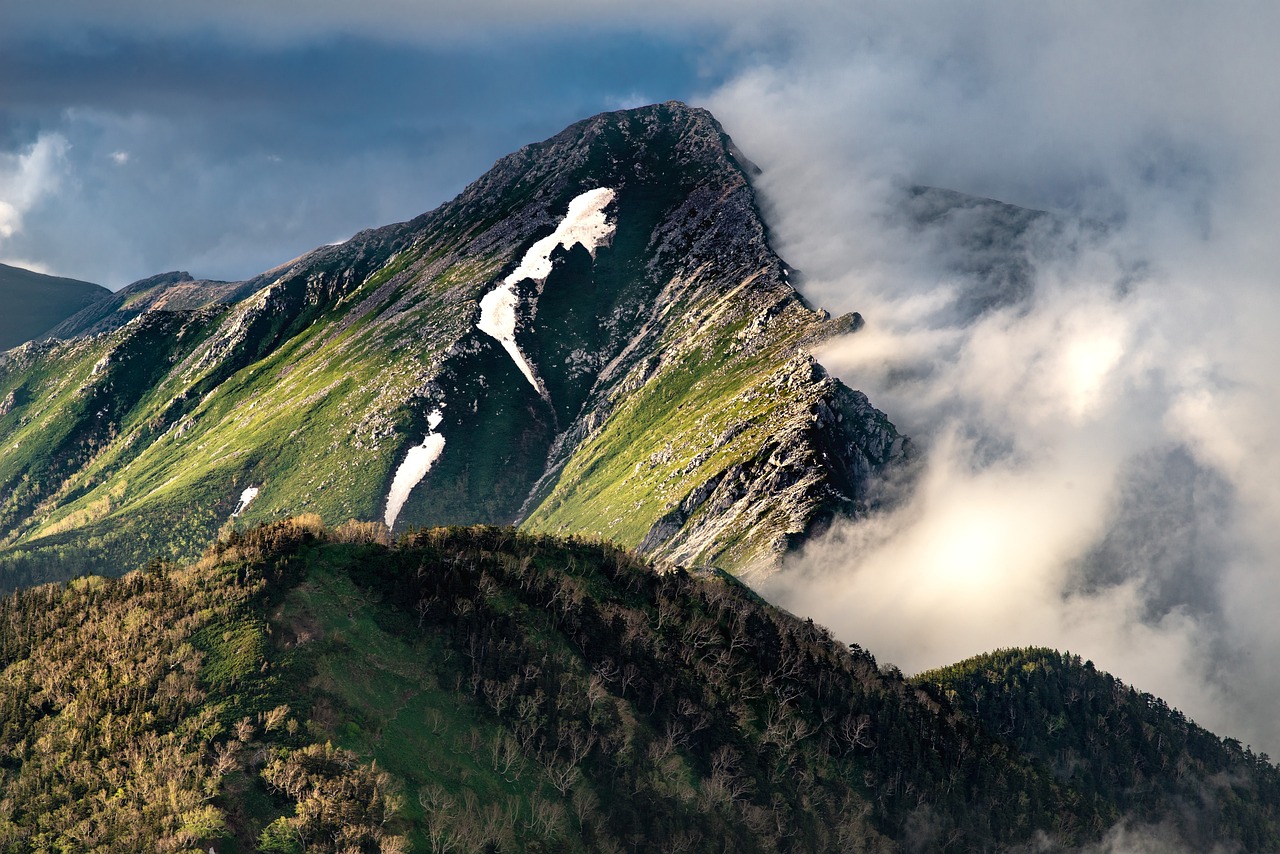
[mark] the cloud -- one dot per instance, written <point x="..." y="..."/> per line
<point x="1130" y="836"/>
<point x="1098" y="408"/>
<point x="396" y="21"/>
<point x="26" y="178"/>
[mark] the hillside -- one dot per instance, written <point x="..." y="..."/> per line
<point x="1108" y="739"/>
<point x="481" y="686"/>
<point x="593" y="338"/>
<point x="34" y="303"/>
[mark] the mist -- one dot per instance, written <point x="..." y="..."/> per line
<point x="1092" y="390"/>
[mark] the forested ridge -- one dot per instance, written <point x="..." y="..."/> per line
<point x="1128" y="747"/>
<point x="472" y="689"/>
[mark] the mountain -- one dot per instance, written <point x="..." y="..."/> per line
<point x="1129" y="748"/>
<point x="596" y="342"/>
<point x="484" y="689"/>
<point x="34" y="303"/>
<point x="594" y="338"/>
<point x="176" y="291"/>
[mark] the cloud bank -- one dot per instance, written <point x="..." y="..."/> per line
<point x="1097" y="411"/>
<point x="27" y="177"/>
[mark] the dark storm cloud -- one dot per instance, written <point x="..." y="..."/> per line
<point x="284" y="22"/>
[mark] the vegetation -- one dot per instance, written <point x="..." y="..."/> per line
<point x="1131" y="749"/>
<point x="474" y="689"/>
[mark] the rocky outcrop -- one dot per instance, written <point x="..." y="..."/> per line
<point x="826" y="461"/>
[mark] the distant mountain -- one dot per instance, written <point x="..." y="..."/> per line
<point x="482" y="689"/>
<point x="176" y="291"/>
<point x="1107" y="739"/>
<point x="595" y="338"/>
<point x="34" y="303"/>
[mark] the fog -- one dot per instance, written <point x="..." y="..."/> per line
<point x="1093" y="393"/>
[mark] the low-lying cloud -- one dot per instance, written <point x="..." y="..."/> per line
<point x="1093" y="391"/>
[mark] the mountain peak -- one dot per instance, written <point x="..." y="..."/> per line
<point x="593" y="338"/>
<point x="33" y="302"/>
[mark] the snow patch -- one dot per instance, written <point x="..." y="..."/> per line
<point x="498" y="320"/>
<point x="414" y="468"/>
<point x="584" y="224"/>
<point x="245" y="498"/>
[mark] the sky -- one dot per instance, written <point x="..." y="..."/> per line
<point x="1096" y="465"/>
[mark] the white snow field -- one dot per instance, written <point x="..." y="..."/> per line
<point x="245" y="497"/>
<point x="584" y="224"/>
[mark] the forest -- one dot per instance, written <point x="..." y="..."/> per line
<point x="482" y="689"/>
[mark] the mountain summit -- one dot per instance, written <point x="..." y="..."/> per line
<point x="594" y="338"/>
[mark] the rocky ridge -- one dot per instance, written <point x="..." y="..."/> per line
<point x="680" y="411"/>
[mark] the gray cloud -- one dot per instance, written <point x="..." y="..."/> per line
<point x="395" y="21"/>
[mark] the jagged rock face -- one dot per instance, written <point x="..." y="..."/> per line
<point x="593" y="338"/>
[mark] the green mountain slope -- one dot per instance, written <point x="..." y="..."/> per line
<point x="1106" y="738"/>
<point x="302" y="690"/>
<point x="655" y="387"/>
<point x="34" y="303"/>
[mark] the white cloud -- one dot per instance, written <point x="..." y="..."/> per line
<point x="629" y="101"/>
<point x="27" y="177"/>
<point x="1145" y="338"/>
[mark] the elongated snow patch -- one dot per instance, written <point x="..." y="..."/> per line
<point x="245" y="497"/>
<point x="585" y="224"/>
<point x="414" y="468"/>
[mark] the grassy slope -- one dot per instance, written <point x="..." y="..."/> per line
<point x="159" y="465"/>
<point x="638" y="465"/>
<point x="34" y="303"/>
